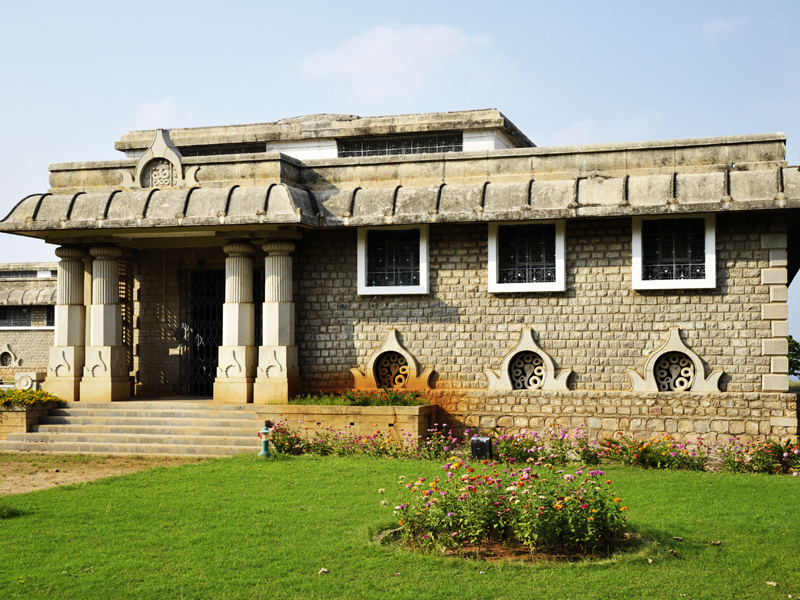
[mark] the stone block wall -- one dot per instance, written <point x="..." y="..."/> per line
<point x="30" y="346"/>
<point x="685" y="415"/>
<point x="598" y="327"/>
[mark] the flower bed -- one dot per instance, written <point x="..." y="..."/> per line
<point x="551" y="511"/>
<point x="21" y="409"/>
<point x="363" y="398"/>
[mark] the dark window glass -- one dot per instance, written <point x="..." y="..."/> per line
<point x="673" y="249"/>
<point x="18" y="274"/>
<point x="406" y="144"/>
<point x="53" y="273"/>
<point x="15" y="316"/>
<point x="51" y="316"/>
<point x="526" y="253"/>
<point x="221" y="149"/>
<point x="392" y="257"/>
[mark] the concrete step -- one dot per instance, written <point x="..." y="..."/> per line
<point x="146" y="440"/>
<point x="256" y="424"/>
<point x="162" y="429"/>
<point x="152" y="413"/>
<point x="100" y="448"/>
<point x="162" y="404"/>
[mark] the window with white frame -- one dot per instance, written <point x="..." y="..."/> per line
<point x="526" y="257"/>
<point x="674" y="252"/>
<point x="393" y="260"/>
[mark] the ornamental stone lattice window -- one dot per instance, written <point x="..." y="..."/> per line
<point x="526" y="257"/>
<point x="393" y="260"/>
<point x="674" y="252"/>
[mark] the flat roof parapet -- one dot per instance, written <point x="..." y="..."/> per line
<point x="331" y="126"/>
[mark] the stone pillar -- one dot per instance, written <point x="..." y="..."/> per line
<point x="67" y="355"/>
<point x="278" y="376"/>
<point x="105" y="374"/>
<point x="237" y="355"/>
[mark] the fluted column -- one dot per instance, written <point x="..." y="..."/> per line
<point x="278" y="375"/>
<point x="237" y="355"/>
<point x="105" y="375"/>
<point x="66" y="359"/>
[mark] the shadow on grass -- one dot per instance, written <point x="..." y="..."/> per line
<point x="9" y="512"/>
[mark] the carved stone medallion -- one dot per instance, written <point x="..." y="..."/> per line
<point x="159" y="173"/>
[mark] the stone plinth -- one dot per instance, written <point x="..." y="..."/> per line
<point x="20" y="419"/>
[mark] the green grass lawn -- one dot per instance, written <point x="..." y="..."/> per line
<point x="251" y="528"/>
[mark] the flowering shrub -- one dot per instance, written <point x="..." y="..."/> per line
<point x="15" y="397"/>
<point x="554" y="511"/>
<point x="555" y="446"/>
<point x="760" y="456"/>
<point x="329" y="442"/>
<point x="364" y="398"/>
<point x="659" y="453"/>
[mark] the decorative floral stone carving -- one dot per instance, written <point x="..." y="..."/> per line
<point x="674" y="367"/>
<point x="159" y="167"/>
<point x="159" y="173"/>
<point x="527" y="366"/>
<point x="674" y="372"/>
<point x="392" y="366"/>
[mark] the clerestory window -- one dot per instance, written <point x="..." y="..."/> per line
<point x="15" y="316"/>
<point x="674" y="252"/>
<point x="402" y="144"/>
<point x="393" y="260"/>
<point x="526" y="257"/>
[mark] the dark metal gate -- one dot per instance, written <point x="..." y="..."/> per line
<point x="202" y="294"/>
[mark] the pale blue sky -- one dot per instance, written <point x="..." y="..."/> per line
<point x="74" y="76"/>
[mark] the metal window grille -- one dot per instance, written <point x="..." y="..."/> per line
<point x="527" y="253"/>
<point x="407" y="144"/>
<point x="673" y="249"/>
<point x="221" y="149"/>
<point x="393" y="258"/>
<point x="18" y="274"/>
<point x="15" y="316"/>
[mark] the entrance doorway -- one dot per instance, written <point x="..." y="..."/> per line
<point x="202" y="293"/>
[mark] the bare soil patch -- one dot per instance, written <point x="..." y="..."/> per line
<point x="27" y="472"/>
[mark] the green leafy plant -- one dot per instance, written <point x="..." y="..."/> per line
<point x="15" y="397"/>
<point x="352" y="397"/>
<point x="658" y="453"/>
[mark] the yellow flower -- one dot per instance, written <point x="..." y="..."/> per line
<point x="617" y="499"/>
<point x="624" y="508"/>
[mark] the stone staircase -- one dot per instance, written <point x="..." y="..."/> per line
<point x="159" y="427"/>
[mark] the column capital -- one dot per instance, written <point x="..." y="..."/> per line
<point x="277" y="247"/>
<point x="105" y="251"/>
<point x="70" y="252"/>
<point x="239" y="249"/>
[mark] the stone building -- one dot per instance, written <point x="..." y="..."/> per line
<point x="27" y="317"/>
<point x="630" y="287"/>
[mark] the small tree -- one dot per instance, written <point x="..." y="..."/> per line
<point x="794" y="357"/>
